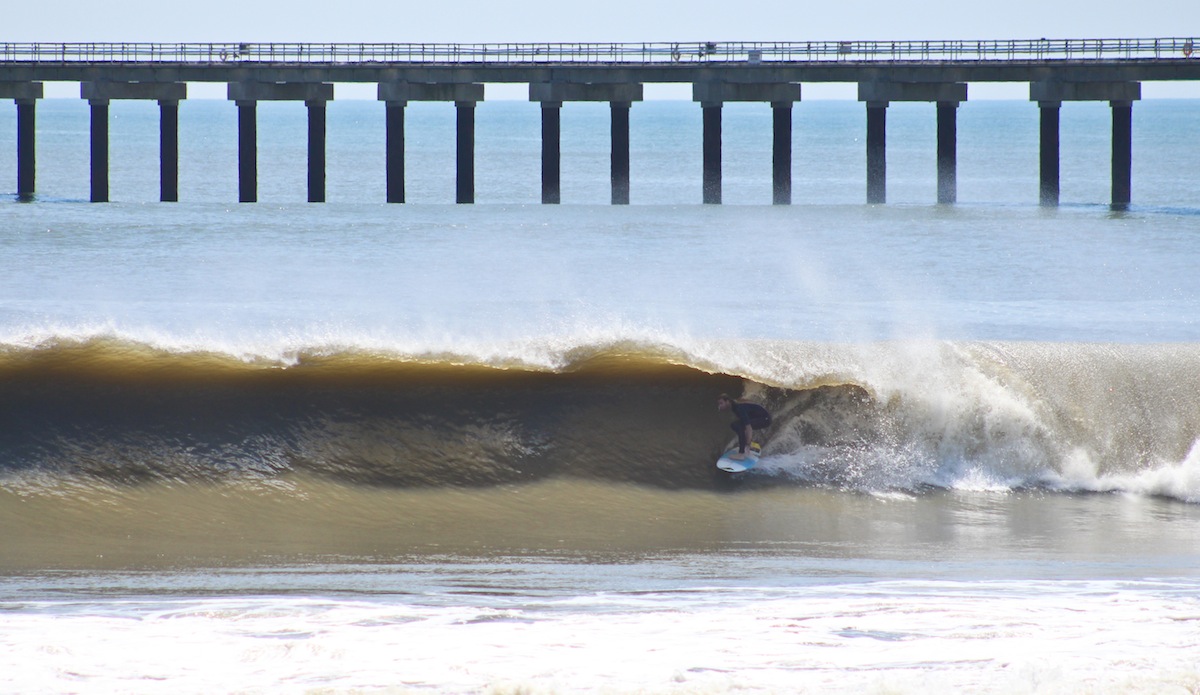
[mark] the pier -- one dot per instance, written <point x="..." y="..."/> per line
<point x="936" y="72"/>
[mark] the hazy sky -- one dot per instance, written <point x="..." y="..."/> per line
<point x="610" y="20"/>
<point x="465" y="21"/>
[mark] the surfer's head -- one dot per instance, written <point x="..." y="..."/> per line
<point x="724" y="401"/>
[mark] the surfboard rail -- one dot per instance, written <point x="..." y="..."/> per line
<point x="731" y="465"/>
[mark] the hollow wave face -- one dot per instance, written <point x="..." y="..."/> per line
<point x="874" y="417"/>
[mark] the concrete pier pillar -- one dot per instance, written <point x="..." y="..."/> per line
<point x="99" y="150"/>
<point x="247" y="151"/>
<point x="552" y="95"/>
<point x="876" y="152"/>
<point x="551" y="152"/>
<point x="947" y="152"/>
<point x="26" y="148"/>
<point x="465" y="184"/>
<point x="25" y="96"/>
<point x="780" y="96"/>
<point x="168" y="149"/>
<point x="1048" y="183"/>
<point x="247" y="95"/>
<point x="620" y="152"/>
<point x="877" y="95"/>
<point x="1122" y="153"/>
<point x="168" y="95"/>
<point x="464" y="95"/>
<point x="316" y="150"/>
<point x="1120" y="95"/>
<point x="781" y="153"/>
<point x="395" y="151"/>
<point x="712" y="153"/>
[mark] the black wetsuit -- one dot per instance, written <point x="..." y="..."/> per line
<point x="751" y="414"/>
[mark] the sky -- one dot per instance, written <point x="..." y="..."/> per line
<point x="523" y="21"/>
<point x="465" y="21"/>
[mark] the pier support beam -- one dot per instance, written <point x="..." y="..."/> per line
<point x="394" y="151"/>
<point x="25" y="95"/>
<point x="1122" y="153"/>
<point x="396" y="96"/>
<point x="947" y="96"/>
<point x="877" y="152"/>
<point x="1048" y="159"/>
<point x="552" y="95"/>
<point x="26" y="148"/>
<point x="619" y="156"/>
<point x="247" y="95"/>
<point x="168" y="95"/>
<point x="1120" y="95"/>
<point x="99" y="149"/>
<point x="781" y="96"/>
<point x="551" y="152"/>
<point x="168" y="149"/>
<point x="465" y="181"/>
<point x="947" y="152"/>
<point x="316" y="150"/>
<point x="781" y="153"/>
<point x="712" y="153"/>
<point x="247" y="151"/>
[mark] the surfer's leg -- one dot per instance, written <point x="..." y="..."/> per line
<point x="741" y="434"/>
<point x="759" y="424"/>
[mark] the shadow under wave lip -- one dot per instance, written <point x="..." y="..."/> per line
<point x="130" y="414"/>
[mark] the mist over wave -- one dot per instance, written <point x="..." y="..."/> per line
<point x="902" y="415"/>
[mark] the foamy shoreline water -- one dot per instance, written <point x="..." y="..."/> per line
<point x="722" y="636"/>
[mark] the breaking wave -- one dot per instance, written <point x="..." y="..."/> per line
<point x="864" y="417"/>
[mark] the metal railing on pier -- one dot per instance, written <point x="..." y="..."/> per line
<point x="605" y="53"/>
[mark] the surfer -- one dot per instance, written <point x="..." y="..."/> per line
<point x="750" y="417"/>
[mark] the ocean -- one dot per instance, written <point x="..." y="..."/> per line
<point x="352" y="447"/>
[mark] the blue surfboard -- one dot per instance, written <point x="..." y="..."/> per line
<point x="731" y="465"/>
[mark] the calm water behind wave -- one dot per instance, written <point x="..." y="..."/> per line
<point x="997" y="152"/>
